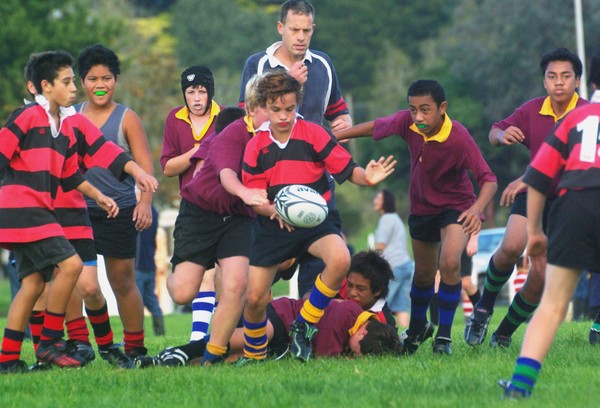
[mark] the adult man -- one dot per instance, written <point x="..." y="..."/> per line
<point x="530" y="124"/>
<point x="313" y="69"/>
<point x="321" y="89"/>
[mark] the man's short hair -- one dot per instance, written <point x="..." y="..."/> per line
<point x="45" y="66"/>
<point x="296" y="7"/>
<point x="97" y="54"/>
<point x="275" y="84"/>
<point x="562" y="54"/>
<point x="380" y="339"/>
<point x="227" y="116"/>
<point x="428" y="87"/>
<point x="374" y="268"/>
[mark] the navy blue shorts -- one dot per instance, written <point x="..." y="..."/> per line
<point x="41" y="256"/>
<point x="85" y="249"/>
<point x="519" y="207"/>
<point x="574" y="230"/>
<point x="427" y="228"/>
<point x="272" y="245"/>
<point x="114" y="237"/>
<point x="203" y="237"/>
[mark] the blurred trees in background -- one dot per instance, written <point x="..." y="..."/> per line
<point x="484" y="52"/>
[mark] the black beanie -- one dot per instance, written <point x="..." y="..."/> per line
<point x="198" y="75"/>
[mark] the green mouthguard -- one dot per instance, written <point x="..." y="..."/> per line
<point x="100" y="93"/>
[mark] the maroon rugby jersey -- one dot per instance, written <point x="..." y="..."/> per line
<point x="332" y="336"/>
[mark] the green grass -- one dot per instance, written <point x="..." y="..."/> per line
<point x="465" y="379"/>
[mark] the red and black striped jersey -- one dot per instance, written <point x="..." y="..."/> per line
<point x="571" y="150"/>
<point x="35" y="164"/>
<point x="308" y="153"/>
<point x="92" y="150"/>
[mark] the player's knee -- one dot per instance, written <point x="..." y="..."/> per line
<point x="235" y="288"/>
<point x="509" y="252"/>
<point x="339" y="263"/>
<point x="256" y="300"/>
<point x="532" y="289"/>
<point x="90" y="291"/>
<point x="71" y="267"/>
<point x="180" y="291"/>
<point x="450" y="267"/>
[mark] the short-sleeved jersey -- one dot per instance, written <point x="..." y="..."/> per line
<point x="322" y="92"/>
<point x="535" y="120"/>
<point x="309" y="151"/>
<point x="36" y="159"/>
<point x="226" y="152"/>
<point x="333" y="328"/>
<point x="570" y="152"/>
<point x="93" y="150"/>
<point x="439" y="178"/>
<point x="179" y="137"/>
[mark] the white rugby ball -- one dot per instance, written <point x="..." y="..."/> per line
<point x="301" y="206"/>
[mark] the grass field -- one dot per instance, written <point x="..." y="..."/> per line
<point x="570" y="377"/>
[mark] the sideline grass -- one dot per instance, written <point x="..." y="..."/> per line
<point x="465" y="379"/>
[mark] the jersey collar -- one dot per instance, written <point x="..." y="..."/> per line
<point x="360" y="320"/>
<point x="547" y="110"/>
<point x="184" y="114"/>
<point x="249" y="124"/>
<point x="275" y="62"/>
<point x="439" y="137"/>
<point x="63" y="113"/>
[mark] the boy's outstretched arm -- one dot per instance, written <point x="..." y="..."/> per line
<point x="106" y="203"/>
<point x="232" y="184"/>
<point x="375" y="172"/>
<point x="144" y="181"/>
<point x="472" y="217"/>
<point x="360" y="130"/>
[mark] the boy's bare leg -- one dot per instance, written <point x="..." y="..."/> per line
<point x="234" y="279"/>
<point x="559" y="289"/>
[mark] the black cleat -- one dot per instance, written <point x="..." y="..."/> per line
<point x="477" y="326"/>
<point x="500" y="341"/>
<point x="442" y="345"/>
<point x="173" y="357"/>
<point x="115" y="356"/>
<point x="512" y="393"/>
<point x="58" y="355"/>
<point x="301" y="335"/>
<point x="13" y="367"/>
<point x="81" y="351"/>
<point x="410" y="343"/>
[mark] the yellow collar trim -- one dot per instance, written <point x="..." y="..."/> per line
<point x="249" y="124"/>
<point x="360" y="320"/>
<point x="184" y="114"/>
<point x="441" y="136"/>
<point x="548" y="111"/>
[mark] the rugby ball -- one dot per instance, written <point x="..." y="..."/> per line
<point x="301" y="206"/>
